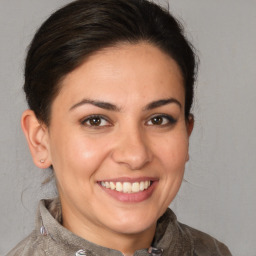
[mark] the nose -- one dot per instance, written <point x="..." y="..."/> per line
<point x="132" y="149"/>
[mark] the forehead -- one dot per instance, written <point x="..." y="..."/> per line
<point x="124" y="73"/>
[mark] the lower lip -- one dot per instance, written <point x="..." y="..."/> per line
<point x="131" y="197"/>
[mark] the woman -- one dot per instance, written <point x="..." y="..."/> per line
<point x="110" y="87"/>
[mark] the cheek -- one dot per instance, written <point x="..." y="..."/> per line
<point x="78" y="158"/>
<point x="173" y="152"/>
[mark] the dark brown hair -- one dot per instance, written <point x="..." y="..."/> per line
<point x="83" y="27"/>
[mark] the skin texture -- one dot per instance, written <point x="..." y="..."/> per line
<point x="127" y="143"/>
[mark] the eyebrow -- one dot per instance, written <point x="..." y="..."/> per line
<point x="112" y="107"/>
<point x="160" y="103"/>
<point x="100" y="104"/>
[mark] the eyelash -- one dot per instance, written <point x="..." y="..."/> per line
<point x="166" y="119"/>
<point x="168" y="122"/>
<point x="94" y="117"/>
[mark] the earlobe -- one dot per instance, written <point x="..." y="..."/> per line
<point x="37" y="138"/>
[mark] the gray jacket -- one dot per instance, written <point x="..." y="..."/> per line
<point x="172" y="238"/>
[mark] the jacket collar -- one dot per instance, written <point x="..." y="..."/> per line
<point x="48" y="223"/>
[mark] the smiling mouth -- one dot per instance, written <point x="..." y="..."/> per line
<point x="127" y="187"/>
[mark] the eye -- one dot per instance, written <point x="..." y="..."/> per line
<point x="161" y="120"/>
<point x="95" y="121"/>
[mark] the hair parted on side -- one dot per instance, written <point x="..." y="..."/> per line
<point x="83" y="27"/>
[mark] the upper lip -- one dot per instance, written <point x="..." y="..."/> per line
<point x="129" y="179"/>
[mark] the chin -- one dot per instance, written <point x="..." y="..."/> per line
<point x="134" y="228"/>
<point x="131" y="223"/>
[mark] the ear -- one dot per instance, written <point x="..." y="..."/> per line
<point x="190" y="126"/>
<point x="37" y="137"/>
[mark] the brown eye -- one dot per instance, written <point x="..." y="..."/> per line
<point x="95" y="121"/>
<point x="161" y="120"/>
<point x="158" y="120"/>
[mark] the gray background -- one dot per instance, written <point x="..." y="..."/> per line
<point x="219" y="196"/>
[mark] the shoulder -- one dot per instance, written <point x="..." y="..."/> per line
<point x="176" y="238"/>
<point x="30" y="246"/>
<point x="203" y="243"/>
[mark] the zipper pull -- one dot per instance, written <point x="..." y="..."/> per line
<point x="155" y="251"/>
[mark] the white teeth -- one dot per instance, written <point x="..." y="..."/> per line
<point x="112" y="185"/>
<point x="119" y="186"/>
<point x="146" y="184"/>
<point x="127" y="187"/>
<point x="107" y="185"/>
<point x="142" y="186"/>
<point x="135" y="187"/>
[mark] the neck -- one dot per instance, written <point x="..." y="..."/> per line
<point x="123" y="242"/>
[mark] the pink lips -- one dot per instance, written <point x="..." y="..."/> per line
<point x="131" y="197"/>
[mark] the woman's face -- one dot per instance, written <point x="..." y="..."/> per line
<point x="118" y="140"/>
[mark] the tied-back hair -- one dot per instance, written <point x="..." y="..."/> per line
<point x="83" y="27"/>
